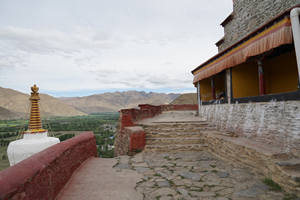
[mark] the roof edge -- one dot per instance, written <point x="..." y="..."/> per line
<point x="220" y="41"/>
<point x="281" y="15"/>
<point x="227" y="19"/>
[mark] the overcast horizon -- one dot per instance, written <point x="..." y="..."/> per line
<point x="80" y="48"/>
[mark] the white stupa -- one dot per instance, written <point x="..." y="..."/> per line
<point x="35" y="138"/>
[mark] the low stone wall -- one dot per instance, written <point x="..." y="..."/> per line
<point x="128" y="117"/>
<point x="128" y="140"/>
<point x="273" y="123"/>
<point x="262" y="158"/>
<point x="44" y="174"/>
<point x="137" y="139"/>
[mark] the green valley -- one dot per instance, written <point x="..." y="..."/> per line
<point x="102" y="124"/>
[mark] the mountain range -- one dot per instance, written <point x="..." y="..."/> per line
<point x="115" y="101"/>
<point x="14" y="104"/>
<point x="188" y="98"/>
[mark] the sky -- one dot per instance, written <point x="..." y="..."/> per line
<point x="84" y="47"/>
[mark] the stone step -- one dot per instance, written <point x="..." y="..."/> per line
<point x="180" y="123"/>
<point x="291" y="164"/>
<point x="176" y="136"/>
<point x="293" y="176"/>
<point x="172" y="134"/>
<point x="172" y="125"/>
<point x="176" y="147"/>
<point x="178" y="129"/>
<point x="174" y="141"/>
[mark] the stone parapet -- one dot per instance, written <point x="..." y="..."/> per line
<point x="44" y="174"/>
<point x="129" y="117"/>
<point x="137" y="138"/>
<point x="128" y="141"/>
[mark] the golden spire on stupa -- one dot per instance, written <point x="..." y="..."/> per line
<point x="35" y="123"/>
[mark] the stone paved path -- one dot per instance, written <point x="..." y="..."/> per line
<point x="98" y="180"/>
<point x="194" y="175"/>
<point x="166" y="176"/>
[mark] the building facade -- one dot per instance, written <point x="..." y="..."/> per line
<point x="248" y="15"/>
<point x="252" y="85"/>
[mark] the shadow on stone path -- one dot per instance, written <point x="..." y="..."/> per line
<point x="194" y="175"/>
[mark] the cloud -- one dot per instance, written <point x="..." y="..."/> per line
<point x="53" y="57"/>
<point x="54" y="41"/>
<point x="104" y="45"/>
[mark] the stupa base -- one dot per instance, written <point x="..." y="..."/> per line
<point x="30" y="144"/>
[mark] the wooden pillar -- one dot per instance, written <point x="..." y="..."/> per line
<point x="213" y="89"/>
<point x="228" y="85"/>
<point x="198" y="97"/>
<point x="261" y="78"/>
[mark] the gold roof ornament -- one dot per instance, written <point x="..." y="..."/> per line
<point x="35" y="123"/>
<point x="34" y="93"/>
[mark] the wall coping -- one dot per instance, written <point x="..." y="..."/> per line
<point x="15" y="179"/>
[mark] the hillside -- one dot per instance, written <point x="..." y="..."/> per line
<point x="117" y="100"/>
<point x="7" y="114"/>
<point x="15" y="104"/>
<point x="189" y="98"/>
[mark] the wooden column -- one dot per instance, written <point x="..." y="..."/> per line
<point x="213" y="89"/>
<point x="261" y="78"/>
<point x="198" y="97"/>
<point x="228" y="85"/>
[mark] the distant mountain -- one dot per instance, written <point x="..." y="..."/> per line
<point x="188" y="98"/>
<point x="117" y="100"/>
<point x="7" y="114"/>
<point x="14" y="104"/>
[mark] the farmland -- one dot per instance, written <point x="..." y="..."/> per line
<point x="102" y="124"/>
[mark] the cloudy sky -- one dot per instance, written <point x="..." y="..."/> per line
<point x="83" y="47"/>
